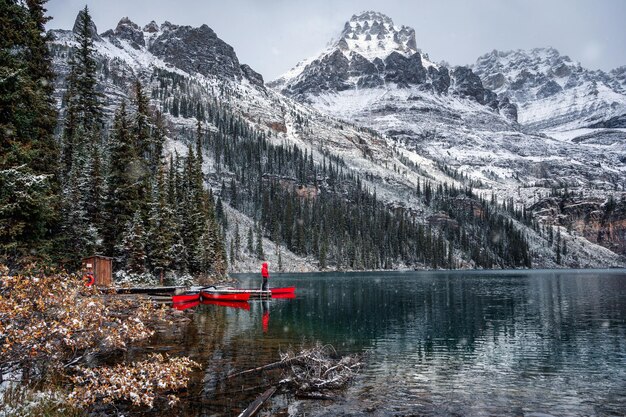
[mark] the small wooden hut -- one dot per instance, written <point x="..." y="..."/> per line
<point x="102" y="269"/>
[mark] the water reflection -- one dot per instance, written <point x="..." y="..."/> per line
<point x="441" y="343"/>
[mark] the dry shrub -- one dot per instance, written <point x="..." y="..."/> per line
<point x="50" y="323"/>
<point x="138" y="383"/>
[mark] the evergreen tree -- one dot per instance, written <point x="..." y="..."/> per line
<point x="250" y="245"/>
<point x="558" y="246"/>
<point x="142" y="124"/>
<point x="133" y="245"/>
<point x="259" y="245"/>
<point x="161" y="230"/>
<point x="123" y="182"/>
<point x="83" y="114"/>
<point x="232" y="252"/>
<point x="29" y="187"/>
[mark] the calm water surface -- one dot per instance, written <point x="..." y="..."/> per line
<point x="445" y="343"/>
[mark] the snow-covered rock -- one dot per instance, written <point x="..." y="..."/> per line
<point x="553" y="92"/>
<point x="394" y="124"/>
<point x="373" y="53"/>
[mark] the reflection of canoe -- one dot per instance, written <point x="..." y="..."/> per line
<point x="224" y="295"/>
<point x="284" y="295"/>
<point x="234" y="304"/>
<point x="283" y="290"/>
<point x="185" y="306"/>
<point x="185" y="298"/>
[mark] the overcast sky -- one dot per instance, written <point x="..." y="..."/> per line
<point x="273" y="35"/>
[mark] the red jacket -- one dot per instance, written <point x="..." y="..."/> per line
<point x="265" y="271"/>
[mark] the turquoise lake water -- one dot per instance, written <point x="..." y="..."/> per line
<point x="441" y="343"/>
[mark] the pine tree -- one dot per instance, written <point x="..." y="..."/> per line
<point x="237" y="241"/>
<point x="160" y="230"/>
<point x="259" y="245"/>
<point x="204" y="255"/>
<point x="558" y="246"/>
<point x="142" y="124"/>
<point x="232" y="252"/>
<point x="84" y="167"/>
<point x="250" y="246"/>
<point x="29" y="187"/>
<point x="323" y="254"/>
<point x="83" y="114"/>
<point x="220" y="214"/>
<point x="133" y="245"/>
<point x="123" y="183"/>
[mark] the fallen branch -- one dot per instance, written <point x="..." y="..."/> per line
<point x="274" y="365"/>
<point x="319" y="368"/>
<point x="256" y="405"/>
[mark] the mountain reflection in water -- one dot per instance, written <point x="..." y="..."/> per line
<point x="467" y="343"/>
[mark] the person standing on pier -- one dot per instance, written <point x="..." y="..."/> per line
<point x="266" y="274"/>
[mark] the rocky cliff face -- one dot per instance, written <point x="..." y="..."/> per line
<point x="554" y="92"/>
<point x="371" y="52"/>
<point x="194" y="50"/>
<point x="599" y="221"/>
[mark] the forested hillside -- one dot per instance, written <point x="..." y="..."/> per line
<point x="178" y="174"/>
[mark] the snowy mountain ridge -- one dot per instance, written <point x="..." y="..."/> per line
<point x="552" y="92"/>
<point x="506" y="121"/>
<point x="419" y="127"/>
<point x="369" y="35"/>
<point x="371" y="53"/>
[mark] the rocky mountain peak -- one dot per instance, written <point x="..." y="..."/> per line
<point x="373" y="35"/>
<point x="541" y="80"/>
<point x="125" y="21"/>
<point x="93" y="30"/>
<point x="373" y="53"/>
<point x="151" y="27"/>
<point x="128" y="30"/>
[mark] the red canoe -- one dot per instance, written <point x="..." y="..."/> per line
<point x="186" y="298"/>
<point x="225" y="295"/>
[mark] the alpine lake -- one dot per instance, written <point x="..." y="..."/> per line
<point x="461" y="343"/>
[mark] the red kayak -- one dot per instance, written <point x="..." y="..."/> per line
<point x="224" y="295"/>
<point x="186" y="298"/>
<point x="234" y="304"/>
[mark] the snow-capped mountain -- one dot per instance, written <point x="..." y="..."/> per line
<point x="389" y="115"/>
<point x="552" y="92"/>
<point x="468" y="118"/>
<point x="371" y="52"/>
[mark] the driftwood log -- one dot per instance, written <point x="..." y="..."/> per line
<point x="312" y="372"/>
<point x="255" y="406"/>
<point x="319" y="368"/>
